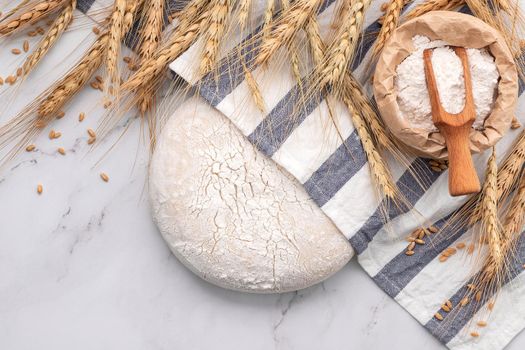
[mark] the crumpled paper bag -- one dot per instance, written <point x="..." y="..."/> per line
<point x="457" y="29"/>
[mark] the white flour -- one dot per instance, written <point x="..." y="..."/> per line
<point x="412" y="93"/>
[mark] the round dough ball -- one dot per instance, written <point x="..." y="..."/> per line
<point x="233" y="216"/>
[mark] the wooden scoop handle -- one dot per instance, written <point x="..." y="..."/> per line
<point x="462" y="176"/>
<point x="455" y="128"/>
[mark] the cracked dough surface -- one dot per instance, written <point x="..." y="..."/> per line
<point x="233" y="216"/>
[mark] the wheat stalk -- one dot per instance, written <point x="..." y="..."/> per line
<point x="433" y="5"/>
<point x="72" y="82"/>
<point x="285" y="29"/>
<point x="115" y="35"/>
<point x="29" y="15"/>
<point x="390" y="22"/>
<point x="341" y="52"/>
<point x="219" y="12"/>
<point x="180" y="40"/>
<point x="53" y="34"/>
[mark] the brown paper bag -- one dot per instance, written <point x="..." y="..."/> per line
<point x="457" y="29"/>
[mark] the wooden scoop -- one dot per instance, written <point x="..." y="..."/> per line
<point x="455" y="128"/>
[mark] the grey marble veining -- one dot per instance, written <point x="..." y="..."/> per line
<point x="83" y="267"/>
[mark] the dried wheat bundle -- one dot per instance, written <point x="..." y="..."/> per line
<point x="29" y="13"/>
<point x="58" y="27"/>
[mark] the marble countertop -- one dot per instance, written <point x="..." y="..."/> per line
<point x="84" y="267"/>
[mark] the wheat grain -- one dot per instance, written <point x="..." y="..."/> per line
<point x="104" y="177"/>
<point x="390" y="22"/>
<point x="30" y="148"/>
<point x="39" y="188"/>
<point x="53" y="34"/>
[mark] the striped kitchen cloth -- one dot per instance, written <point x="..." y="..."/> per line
<point x="332" y="166"/>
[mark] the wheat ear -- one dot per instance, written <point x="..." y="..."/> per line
<point x="219" y="12"/>
<point x="29" y="15"/>
<point x="268" y="19"/>
<point x="515" y="218"/>
<point x="293" y="51"/>
<point x="245" y="7"/>
<point x="433" y="5"/>
<point x="378" y="169"/>
<point x="340" y="54"/>
<point x="489" y="208"/>
<point x="508" y="173"/>
<point x="150" y="36"/>
<point x="315" y="41"/>
<point x="363" y="104"/>
<point x="70" y="84"/>
<point x="180" y="40"/>
<point x="286" y="28"/>
<point x="53" y="34"/>
<point x="115" y="35"/>
<point x="390" y="22"/>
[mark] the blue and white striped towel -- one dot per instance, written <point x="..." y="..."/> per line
<point x="336" y="175"/>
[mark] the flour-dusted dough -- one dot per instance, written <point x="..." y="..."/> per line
<point x="232" y="215"/>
